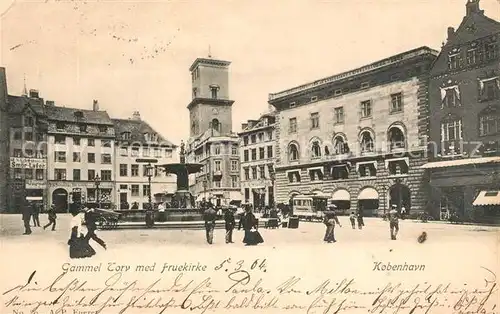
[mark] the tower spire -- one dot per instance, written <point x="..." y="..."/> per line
<point x="25" y="89"/>
<point x="209" y="52"/>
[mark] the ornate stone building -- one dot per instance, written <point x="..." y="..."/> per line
<point x="257" y="147"/>
<point x="4" y="141"/>
<point x="464" y="92"/>
<point x="212" y="141"/>
<point x="357" y="137"/>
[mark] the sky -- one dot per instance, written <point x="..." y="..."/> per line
<point x="136" y="55"/>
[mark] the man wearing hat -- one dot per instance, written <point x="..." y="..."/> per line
<point x="394" y="222"/>
<point x="229" y="223"/>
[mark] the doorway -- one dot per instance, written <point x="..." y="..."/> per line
<point x="60" y="200"/>
<point x="123" y="200"/>
<point x="400" y="195"/>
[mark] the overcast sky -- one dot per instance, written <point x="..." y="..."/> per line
<point x="136" y="55"/>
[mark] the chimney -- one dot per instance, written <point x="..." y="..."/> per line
<point x="244" y="126"/>
<point x="451" y="32"/>
<point x="472" y="6"/>
<point x="136" y="116"/>
<point x="50" y="103"/>
<point x="95" y="105"/>
<point x="34" y="93"/>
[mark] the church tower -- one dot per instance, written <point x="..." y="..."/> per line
<point x="210" y="107"/>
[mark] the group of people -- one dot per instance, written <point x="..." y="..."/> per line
<point x="247" y="221"/>
<point x="31" y="211"/>
<point x="83" y="227"/>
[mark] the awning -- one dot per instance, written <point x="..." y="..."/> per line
<point x="34" y="198"/>
<point x="368" y="194"/>
<point x="341" y="195"/>
<point x="320" y="194"/>
<point x="485" y="198"/>
<point x="460" y="162"/>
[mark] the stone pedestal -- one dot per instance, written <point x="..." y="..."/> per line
<point x="184" y="199"/>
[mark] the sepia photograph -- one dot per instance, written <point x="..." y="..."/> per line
<point x="296" y="156"/>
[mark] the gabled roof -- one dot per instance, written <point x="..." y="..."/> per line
<point x="17" y="104"/>
<point x="137" y="128"/>
<point x="64" y="114"/>
<point x="482" y="26"/>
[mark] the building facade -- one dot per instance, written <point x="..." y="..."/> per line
<point x="212" y="141"/>
<point x="257" y="153"/>
<point x="80" y="156"/>
<point x="27" y="151"/>
<point x="357" y="137"/>
<point x="464" y="91"/>
<point x="4" y="141"/>
<point x="136" y="139"/>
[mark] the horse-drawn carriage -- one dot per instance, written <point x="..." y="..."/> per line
<point x="106" y="219"/>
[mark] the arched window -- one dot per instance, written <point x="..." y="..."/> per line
<point x="396" y="137"/>
<point x="367" y="143"/>
<point x="315" y="149"/>
<point x="293" y="152"/>
<point x="340" y="145"/>
<point x="216" y="125"/>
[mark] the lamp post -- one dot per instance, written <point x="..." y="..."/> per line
<point x="97" y="182"/>
<point x="272" y="176"/>
<point x="149" y="174"/>
<point x="205" y="184"/>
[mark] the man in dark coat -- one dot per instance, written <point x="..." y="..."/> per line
<point x="26" y="211"/>
<point x="36" y="212"/>
<point x="51" y="213"/>
<point x="210" y="216"/>
<point x="91" y="223"/>
<point x="230" y="223"/>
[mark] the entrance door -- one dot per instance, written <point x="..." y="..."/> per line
<point x="400" y="195"/>
<point x="60" y="200"/>
<point x="123" y="200"/>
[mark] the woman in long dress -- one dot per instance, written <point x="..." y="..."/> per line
<point x="79" y="246"/>
<point x="329" y="221"/>
<point x="250" y="225"/>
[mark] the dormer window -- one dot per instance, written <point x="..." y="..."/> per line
<point x="83" y="128"/>
<point x="78" y="114"/>
<point x="454" y="61"/>
<point x="147" y="137"/>
<point x="126" y="136"/>
<point x="103" y="128"/>
<point x="60" y="126"/>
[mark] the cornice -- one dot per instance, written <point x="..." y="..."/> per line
<point x="210" y="101"/>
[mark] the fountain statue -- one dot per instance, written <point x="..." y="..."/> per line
<point x="182" y="170"/>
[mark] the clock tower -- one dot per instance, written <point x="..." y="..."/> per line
<point x="210" y="107"/>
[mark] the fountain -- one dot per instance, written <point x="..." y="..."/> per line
<point x="182" y="170"/>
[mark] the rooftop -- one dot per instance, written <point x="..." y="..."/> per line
<point x="137" y="128"/>
<point x="209" y="61"/>
<point x="71" y="115"/>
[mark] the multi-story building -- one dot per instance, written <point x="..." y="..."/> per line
<point x="80" y="156"/>
<point x="357" y="137"/>
<point x="257" y="147"/>
<point x="27" y="151"/>
<point x="212" y="141"/>
<point x="464" y="92"/>
<point x="136" y="139"/>
<point x="4" y="141"/>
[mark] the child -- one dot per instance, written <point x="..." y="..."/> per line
<point x="352" y="218"/>
<point x="51" y="213"/>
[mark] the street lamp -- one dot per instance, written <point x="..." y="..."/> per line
<point x="149" y="174"/>
<point x="97" y="182"/>
<point x="272" y="176"/>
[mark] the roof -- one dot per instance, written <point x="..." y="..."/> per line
<point x="137" y="128"/>
<point x="17" y="104"/>
<point x="208" y="61"/>
<point x="485" y="198"/>
<point x="64" y="114"/>
<point x="260" y="123"/>
<point x="482" y="26"/>
<point x="461" y="162"/>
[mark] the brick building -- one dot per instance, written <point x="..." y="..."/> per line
<point x="27" y="151"/>
<point x="135" y="139"/>
<point x="464" y="92"/>
<point x="357" y="137"/>
<point x="257" y="147"/>
<point x="212" y="141"/>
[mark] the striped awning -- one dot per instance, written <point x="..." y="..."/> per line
<point x="485" y="198"/>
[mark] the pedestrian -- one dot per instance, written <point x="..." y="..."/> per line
<point x="26" y="212"/>
<point x="229" y="224"/>
<point x="403" y="212"/>
<point x="329" y="221"/>
<point x="36" y="212"/>
<point x="394" y="222"/>
<point x="361" y="223"/>
<point x="90" y="217"/>
<point x="51" y="214"/>
<point x="210" y="215"/>
<point x="352" y="218"/>
<point x="250" y="224"/>
<point x="79" y="246"/>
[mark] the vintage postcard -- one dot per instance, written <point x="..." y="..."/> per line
<point x="249" y="156"/>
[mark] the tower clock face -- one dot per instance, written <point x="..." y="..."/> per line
<point x="215" y="111"/>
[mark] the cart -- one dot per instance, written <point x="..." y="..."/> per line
<point x="107" y="219"/>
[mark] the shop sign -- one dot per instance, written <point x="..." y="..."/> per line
<point x="35" y="184"/>
<point x="28" y="163"/>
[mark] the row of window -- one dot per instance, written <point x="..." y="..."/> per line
<point x="134" y="171"/>
<point x="29" y="153"/>
<point x="28" y="136"/>
<point x="341" y="172"/>
<point x="258" y="172"/>
<point x="489" y="124"/>
<point x="473" y="55"/>
<point x="216" y="150"/>
<point x="258" y="138"/>
<point x="61" y="126"/>
<point x="60" y="156"/>
<point x="234" y="182"/>
<point x="60" y="174"/>
<point x="146" y="152"/>
<point x="489" y="89"/>
<point x="134" y="189"/>
<point x="214" y="90"/>
<point x="251" y="154"/>
<point x="62" y="140"/>
<point x="148" y="137"/>
<point x="29" y="174"/>
<point x="396" y="139"/>
<point x="366" y="111"/>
